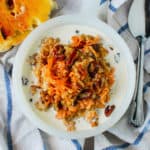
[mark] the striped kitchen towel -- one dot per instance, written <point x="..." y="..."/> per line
<point x="17" y="133"/>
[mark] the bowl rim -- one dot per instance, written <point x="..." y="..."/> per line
<point x="69" y="19"/>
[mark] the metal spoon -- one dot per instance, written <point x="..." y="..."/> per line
<point x="140" y="29"/>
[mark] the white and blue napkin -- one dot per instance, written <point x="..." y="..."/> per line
<point x="17" y="133"/>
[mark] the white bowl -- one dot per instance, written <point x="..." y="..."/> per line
<point x="64" y="27"/>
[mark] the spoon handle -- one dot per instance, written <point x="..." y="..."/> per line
<point x="89" y="143"/>
<point x="136" y="116"/>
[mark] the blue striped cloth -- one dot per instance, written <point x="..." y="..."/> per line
<point x="17" y="133"/>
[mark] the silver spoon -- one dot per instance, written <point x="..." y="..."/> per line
<point x="140" y="29"/>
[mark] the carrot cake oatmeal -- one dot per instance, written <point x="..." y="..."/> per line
<point x="75" y="79"/>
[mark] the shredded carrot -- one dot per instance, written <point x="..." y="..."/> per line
<point x="75" y="78"/>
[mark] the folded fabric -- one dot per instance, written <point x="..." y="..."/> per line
<point x="17" y="133"/>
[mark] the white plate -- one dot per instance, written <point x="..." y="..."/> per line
<point x="64" y="27"/>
